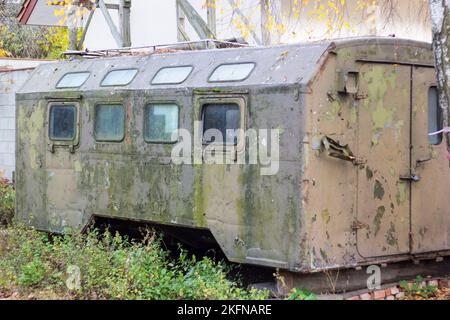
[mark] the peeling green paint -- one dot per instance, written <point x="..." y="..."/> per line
<point x="378" y="191"/>
<point x="401" y="195"/>
<point x="377" y="220"/>
<point x="326" y="216"/>
<point x="334" y="112"/>
<point x="369" y="173"/>
<point x="391" y="237"/>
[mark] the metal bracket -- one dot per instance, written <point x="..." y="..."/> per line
<point x="342" y="152"/>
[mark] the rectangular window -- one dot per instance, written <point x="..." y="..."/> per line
<point x="232" y="72"/>
<point x="121" y="77"/>
<point x="172" y="75"/>
<point x="161" y="121"/>
<point x="73" y="80"/>
<point x="109" y="123"/>
<point x="435" y="120"/>
<point x="63" y="121"/>
<point x="221" y="122"/>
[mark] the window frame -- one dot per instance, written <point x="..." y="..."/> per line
<point x="440" y="121"/>
<point x="75" y="87"/>
<point x="171" y="83"/>
<point x="145" y="124"/>
<point x="96" y="140"/>
<point x="240" y="101"/>
<point x="232" y="64"/>
<point x="64" y="143"/>
<point x="118" y="85"/>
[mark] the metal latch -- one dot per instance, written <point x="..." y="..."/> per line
<point x="411" y="178"/>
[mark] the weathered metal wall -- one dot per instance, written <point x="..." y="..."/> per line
<point x="319" y="212"/>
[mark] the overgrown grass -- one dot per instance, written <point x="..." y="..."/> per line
<point x="7" y="202"/>
<point x="111" y="267"/>
<point x="98" y="265"/>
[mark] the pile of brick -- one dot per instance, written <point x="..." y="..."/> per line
<point x="396" y="292"/>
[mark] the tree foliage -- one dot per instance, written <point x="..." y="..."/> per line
<point x="20" y="41"/>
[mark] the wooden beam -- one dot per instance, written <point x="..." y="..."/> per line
<point x="86" y="28"/>
<point x="124" y="22"/>
<point x="73" y="29"/>
<point x="245" y="20"/>
<point x="112" y="27"/>
<point x="211" y="15"/>
<point x="265" y="20"/>
<point x="199" y="25"/>
<point x="181" y="24"/>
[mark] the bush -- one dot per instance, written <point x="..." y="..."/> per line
<point x="105" y="266"/>
<point x="7" y="202"/>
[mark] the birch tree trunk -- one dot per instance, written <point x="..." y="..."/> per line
<point x="440" y="18"/>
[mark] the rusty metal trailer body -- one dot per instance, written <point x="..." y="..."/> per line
<point x="359" y="180"/>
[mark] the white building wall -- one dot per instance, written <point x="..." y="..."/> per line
<point x="13" y="74"/>
<point x="154" y="22"/>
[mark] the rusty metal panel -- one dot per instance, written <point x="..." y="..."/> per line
<point x="329" y="184"/>
<point x="430" y="223"/>
<point x="383" y="141"/>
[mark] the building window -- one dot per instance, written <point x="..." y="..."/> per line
<point x="109" y="123"/>
<point x="172" y="75"/>
<point x="121" y="77"/>
<point x="435" y="120"/>
<point x="161" y="122"/>
<point x="73" y="80"/>
<point x="232" y="72"/>
<point x="63" y="121"/>
<point x="220" y="123"/>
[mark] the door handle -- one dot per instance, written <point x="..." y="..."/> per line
<point x="411" y="178"/>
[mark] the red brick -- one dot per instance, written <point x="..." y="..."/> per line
<point x="392" y="291"/>
<point x="380" y="294"/>
<point x="433" y="283"/>
<point x="366" y="296"/>
<point x="354" y="298"/>
<point x="443" y="283"/>
<point x="400" y="295"/>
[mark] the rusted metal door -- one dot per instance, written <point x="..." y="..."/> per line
<point x="218" y="187"/>
<point x="430" y="227"/>
<point x="383" y="197"/>
<point x="62" y="164"/>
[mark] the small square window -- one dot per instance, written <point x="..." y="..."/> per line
<point x="63" y="120"/>
<point x="220" y="123"/>
<point x="172" y="75"/>
<point x="161" y="121"/>
<point x="121" y="77"/>
<point x="109" y="123"/>
<point x="435" y="119"/>
<point x="73" y="80"/>
<point x="232" y="72"/>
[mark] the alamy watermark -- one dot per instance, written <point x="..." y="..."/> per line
<point x="374" y="280"/>
<point x="217" y="147"/>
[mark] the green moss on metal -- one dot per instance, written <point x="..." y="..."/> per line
<point x="377" y="220"/>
